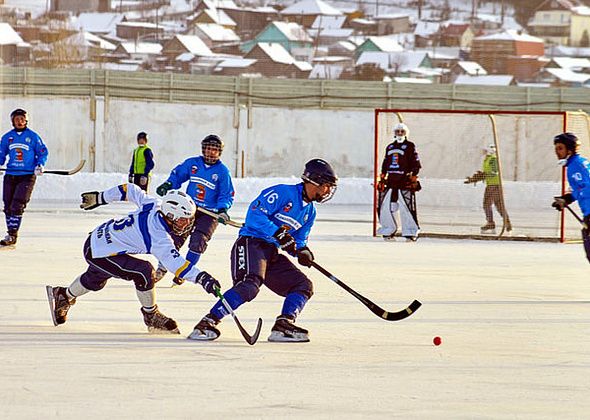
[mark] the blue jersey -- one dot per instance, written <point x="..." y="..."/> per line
<point x="209" y="186"/>
<point x="278" y="206"/>
<point x="25" y="150"/>
<point x="578" y="176"/>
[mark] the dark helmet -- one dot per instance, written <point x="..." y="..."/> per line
<point x="142" y="135"/>
<point x="319" y="172"/>
<point x="569" y="140"/>
<point x="211" y="141"/>
<point x="16" y="112"/>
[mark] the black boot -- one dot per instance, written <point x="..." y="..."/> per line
<point x="206" y="329"/>
<point x="10" y="238"/>
<point x="59" y="303"/>
<point x="285" y="330"/>
<point x="159" y="323"/>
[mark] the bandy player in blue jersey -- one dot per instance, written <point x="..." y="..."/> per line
<point x="109" y="249"/>
<point x="280" y="217"/>
<point x="578" y="176"/>
<point x="210" y="187"/>
<point x="26" y="155"/>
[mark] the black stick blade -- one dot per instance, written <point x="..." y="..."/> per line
<point x="404" y="313"/>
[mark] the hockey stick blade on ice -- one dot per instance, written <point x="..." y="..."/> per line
<point x="250" y="339"/>
<point x="61" y="171"/>
<point x="380" y="312"/>
<point x="215" y="216"/>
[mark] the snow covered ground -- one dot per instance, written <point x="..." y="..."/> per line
<point x="514" y="318"/>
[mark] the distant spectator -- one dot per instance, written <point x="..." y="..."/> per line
<point x="142" y="163"/>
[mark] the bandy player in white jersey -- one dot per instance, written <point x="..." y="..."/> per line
<point x="109" y="247"/>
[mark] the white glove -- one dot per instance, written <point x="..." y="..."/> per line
<point x="39" y="170"/>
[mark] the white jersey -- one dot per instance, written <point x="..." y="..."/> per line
<point x="142" y="232"/>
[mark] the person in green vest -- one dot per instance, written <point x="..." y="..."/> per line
<point x="493" y="192"/>
<point x="142" y="163"/>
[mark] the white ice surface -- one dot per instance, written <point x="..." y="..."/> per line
<point x="514" y="318"/>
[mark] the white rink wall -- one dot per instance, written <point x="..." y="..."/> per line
<point x="351" y="191"/>
<point x="272" y="141"/>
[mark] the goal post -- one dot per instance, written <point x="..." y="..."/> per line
<point x="451" y="146"/>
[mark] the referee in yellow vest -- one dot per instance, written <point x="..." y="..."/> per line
<point x="142" y="163"/>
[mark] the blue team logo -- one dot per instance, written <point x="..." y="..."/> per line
<point x="28" y="139"/>
<point x="404" y="146"/>
<point x="194" y="170"/>
<point x="10" y="139"/>
<point x="288" y="207"/>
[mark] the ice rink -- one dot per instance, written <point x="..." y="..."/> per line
<point x="514" y="318"/>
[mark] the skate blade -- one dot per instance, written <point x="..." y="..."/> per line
<point x="51" y="300"/>
<point x="278" y="337"/>
<point x="200" y="336"/>
<point x="7" y="247"/>
<point x="160" y="331"/>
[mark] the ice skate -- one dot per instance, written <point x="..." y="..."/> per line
<point x="159" y="323"/>
<point x="389" y="238"/>
<point x="205" y="330"/>
<point x="59" y="304"/>
<point x="9" y="242"/>
<point x="411" y="238"/>
<point x="285" y="331"/>
<point x="489" y="227"/>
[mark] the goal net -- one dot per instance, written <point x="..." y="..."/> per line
<point x="452" y="145"/>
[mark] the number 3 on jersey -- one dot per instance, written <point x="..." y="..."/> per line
<point x="123" y="223"/>
<point x="200" y="195"/>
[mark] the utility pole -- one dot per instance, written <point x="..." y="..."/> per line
<point x="419" y="9"/>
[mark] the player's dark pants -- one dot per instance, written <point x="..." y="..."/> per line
<point x="493" y="195"/>
<point x="586" y="236"/>
<point x="137" y="181"/>
<point x="255" y="262"/>
<point x="202" y="232"/>
<point x="124" y="267"/>
<point x="16" y="193"/>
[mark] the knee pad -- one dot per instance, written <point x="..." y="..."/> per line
<point x="247" y="289"/>
<point x="305" y="287"/>
<point x="90" y="284"/>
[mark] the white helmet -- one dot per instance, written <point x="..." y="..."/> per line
<point x="397" y="135"/>
<point x="491" y="149"/>
<point x="179" y="210"/>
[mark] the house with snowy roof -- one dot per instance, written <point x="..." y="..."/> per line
<point x="234" y="66"/>
<point x="216" y="36"/>
<point x="99" y="23"/>
<point x="288" y="34"/>
<point x="306" y="12"/>
<point x="559" y="77"/>
<point x="573" y="64"/>
<point x="456" y="34"/>
<point x="181" y="44"/>
<point x="13" y="49"/>
<point x="562" y="22"/>
<point x="509" y="52"/>
<point x="392" y="23"/>
<point x="379" y="43"/>
<point x="399" y="63"/>
<point x="217" y="16"/>
<point x="273" y="60"/>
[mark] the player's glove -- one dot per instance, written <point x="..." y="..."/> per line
<point x="143" y="180"/>
<point x="412" y="182"/>
<point x="164" y="188"/>
<point x="91" y="200"/>
<point x="130" y="178"/>
<point x="39" y="170"/>
<point x="285" y="240"/>
<point x="223" y="217"/>
<point x="305" y="256"/>
<point x="560" y="202"/>
<point x="208" y="282"/>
